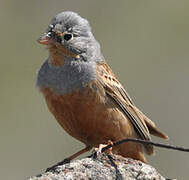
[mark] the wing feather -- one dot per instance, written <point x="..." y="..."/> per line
<point x="117" y="93"/>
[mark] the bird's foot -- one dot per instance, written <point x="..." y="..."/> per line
<point x="98" y="150"/>
<point x="53" y="168"/>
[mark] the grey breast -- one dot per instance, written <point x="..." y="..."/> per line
<point x="73" y="75"/>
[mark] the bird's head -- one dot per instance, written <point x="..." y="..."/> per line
<point x="69" y="36"/>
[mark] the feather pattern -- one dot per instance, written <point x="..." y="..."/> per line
<point x="117" y="93"/>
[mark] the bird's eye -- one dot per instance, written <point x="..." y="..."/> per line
<point x="68" y="36"/>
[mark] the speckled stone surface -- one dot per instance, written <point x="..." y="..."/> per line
<point x="104" y="167"/>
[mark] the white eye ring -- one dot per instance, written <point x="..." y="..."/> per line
<point x="51" y="26"/>
<point x="68" y="36"/>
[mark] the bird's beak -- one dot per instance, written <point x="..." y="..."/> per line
<point x="45" y="39"/>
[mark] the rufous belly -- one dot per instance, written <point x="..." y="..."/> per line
<point x="89" y="116"/>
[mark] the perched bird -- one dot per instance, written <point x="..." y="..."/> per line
<point x="83" y="93"/>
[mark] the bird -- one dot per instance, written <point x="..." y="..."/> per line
<point x="85" y="96"/>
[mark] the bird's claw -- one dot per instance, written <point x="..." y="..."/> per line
<point x="98" y="150"/>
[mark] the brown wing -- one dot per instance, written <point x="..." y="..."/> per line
<point x="114" y="90"/>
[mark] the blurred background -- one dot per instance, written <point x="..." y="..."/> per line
<point x="146" y="42"/>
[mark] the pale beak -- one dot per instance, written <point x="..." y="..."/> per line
<point x="45" y="39"/>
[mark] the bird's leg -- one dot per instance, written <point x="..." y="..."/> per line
<point x="67" y="160"/>
<point x="84" y="150"/>
<point x="101" y="146"/>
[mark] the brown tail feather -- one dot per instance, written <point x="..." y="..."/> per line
<point x="157" y="132"/>
<point x="151" y="127"/>
<point x="154" y="130"/>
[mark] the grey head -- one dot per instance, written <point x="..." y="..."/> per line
<point x="74" y="33"/>
<point x="70" y="36"/>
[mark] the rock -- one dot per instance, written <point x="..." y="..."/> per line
<point x="104" y="167"/>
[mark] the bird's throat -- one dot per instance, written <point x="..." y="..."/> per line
<point x="58" y="53"/>
<point x="56" y="58"/>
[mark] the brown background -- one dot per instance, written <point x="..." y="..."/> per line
<point x="145" y="42"/>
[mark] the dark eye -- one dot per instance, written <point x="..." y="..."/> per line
<point x="68" y="36"/>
